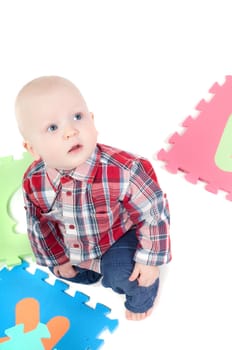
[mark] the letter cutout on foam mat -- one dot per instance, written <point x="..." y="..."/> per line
<point x="204" y="150"/>
<point x="28" y="333"/>
<point x="13" y="245"/>
<point x="19" y="288"/>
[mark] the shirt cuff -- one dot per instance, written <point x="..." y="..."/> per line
<point x="150" y="258"/>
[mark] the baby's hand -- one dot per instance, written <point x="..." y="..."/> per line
<point x="145" y="274"/>
<point x="66" y="270"/>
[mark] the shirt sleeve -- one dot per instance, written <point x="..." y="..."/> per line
<point x="44" y="236"/>
<point x="148" y="209"/>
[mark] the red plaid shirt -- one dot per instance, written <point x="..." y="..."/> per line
<point x="77" y="215"/>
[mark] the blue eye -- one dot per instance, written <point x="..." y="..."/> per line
<point x="77" y="116"/>
<point x="52" y="128"/>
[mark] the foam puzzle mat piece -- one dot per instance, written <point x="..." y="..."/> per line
<point x="13" y="246"/>
<point x="86" y="323"/>
<point x="204" y="150"/>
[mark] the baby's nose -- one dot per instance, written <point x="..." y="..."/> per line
<point x="70" y="132"/>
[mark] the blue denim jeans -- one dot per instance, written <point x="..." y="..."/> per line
<point x="116" y="267"/>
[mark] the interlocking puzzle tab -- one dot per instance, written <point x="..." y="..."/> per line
<point x="86" y="323"/>
<point x="204" y="151"/>
<point x="13" y="245"/>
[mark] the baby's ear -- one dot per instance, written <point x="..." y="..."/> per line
<point x="91" y="115"/>
<point x="31" y="150"/>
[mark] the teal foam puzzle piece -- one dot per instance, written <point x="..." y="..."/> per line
<point x="26" y="341"/>
<point x="86" y="323"/>
<point x="13" y="245"/>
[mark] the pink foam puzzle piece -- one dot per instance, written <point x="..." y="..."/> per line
<point x="204" y="150"/>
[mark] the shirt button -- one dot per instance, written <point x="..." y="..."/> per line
<point x="71" y="227"/>
<point x="68" y="193"/>
<point x="64" y="179"/>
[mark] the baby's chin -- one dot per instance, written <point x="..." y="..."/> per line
<point x="73" y="159"/>
<point x="69" y="165"/>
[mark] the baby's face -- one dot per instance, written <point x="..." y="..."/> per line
<point x="60" y="129"/>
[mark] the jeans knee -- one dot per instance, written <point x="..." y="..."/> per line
<point x="116" y="276"/>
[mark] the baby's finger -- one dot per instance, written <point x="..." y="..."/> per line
<point x="56" y="271"/>
<point x="68" y="273"/>
<point x="146" y="282"/>
<point x="134" y="275"/>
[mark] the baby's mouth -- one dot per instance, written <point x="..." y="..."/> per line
<point x="75" y="148"/>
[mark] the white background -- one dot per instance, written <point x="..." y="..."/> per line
<point x="142" y="66"/>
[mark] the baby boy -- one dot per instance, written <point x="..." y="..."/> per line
<point x="93" y="211"/>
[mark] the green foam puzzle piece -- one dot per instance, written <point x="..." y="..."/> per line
<point x="13" y="245"/>
<point x="223" y="157"/>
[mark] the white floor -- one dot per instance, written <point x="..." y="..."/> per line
<point x="142" y="67"/>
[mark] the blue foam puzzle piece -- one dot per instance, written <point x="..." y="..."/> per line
<point x="86" y="323"/>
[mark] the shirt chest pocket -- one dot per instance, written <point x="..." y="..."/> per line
<point x="106" y="211"/>
<point x="104" y="204"/>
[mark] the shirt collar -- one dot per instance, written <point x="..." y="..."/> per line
<point x="85" y="172"/>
